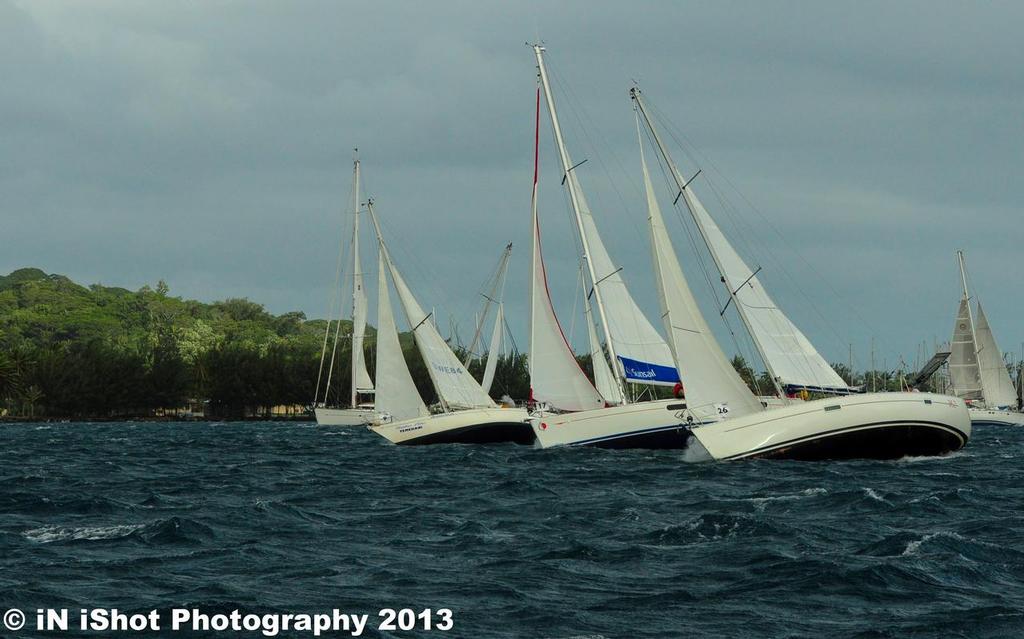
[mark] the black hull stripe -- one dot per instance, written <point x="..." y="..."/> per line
<point x="801" y="440"/>
<point x="488" y="433"/>
<point x="633" y="433"/>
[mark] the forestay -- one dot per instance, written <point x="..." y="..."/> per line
<point x="712" y="384"/>
<point x="396" y="392"/>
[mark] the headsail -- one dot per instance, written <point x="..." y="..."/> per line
<point x="712" y="384"/>
<point x="455" y="387"/>
<point x="995" y="378"/>
<point x="555" y="376"/>
<point x="396" y="392"/>
<point x="494" y="351"/>
<point x="964" y="373"/>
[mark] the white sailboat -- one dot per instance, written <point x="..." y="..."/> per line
<point x="358" y="413"/>
<point x="571" y="410"/>
<point x="494" y="297"/>
<point x="877" y="425"/>
<point x="468" y="414"/>
<point x="977" y="371"/>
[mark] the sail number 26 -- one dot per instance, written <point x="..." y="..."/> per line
<point x="407" y="619"/>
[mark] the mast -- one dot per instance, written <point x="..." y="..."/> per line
<point x="357" y="284"/>
<point x="682" y="185"/>
<point x="570" y="181"/>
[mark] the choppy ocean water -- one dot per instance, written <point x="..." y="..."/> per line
<point x="286" y="517"/>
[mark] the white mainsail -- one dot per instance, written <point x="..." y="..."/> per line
<point x="494" y="351"/>
<point x="396" y="392"/>
<point x="643" y="356"/>
<point x="603" y="378"/>
<point x="995" y="378"/>
<point x="711" y="383"/>
<point x="964" y="373"/>
<point x="790" y="356"/>
<point x="361" y="382"/>
<point x="455" y="387"/>
<point x="556" y="378"/>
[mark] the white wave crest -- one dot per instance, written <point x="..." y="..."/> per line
<point x="50" y="534"/>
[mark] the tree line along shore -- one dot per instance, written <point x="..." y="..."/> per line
<point x="77" y="352"/>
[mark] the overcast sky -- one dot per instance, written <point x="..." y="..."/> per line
<point x="209" y="144"/>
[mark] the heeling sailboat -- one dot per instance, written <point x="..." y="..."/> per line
<point x="358" y="414"/>
<point x="494" y="297"/>
<point x="469" y="414"/>
<point x="976" y="368"/>
<point x="876" y="426"/>
<point x="636" y="352"/>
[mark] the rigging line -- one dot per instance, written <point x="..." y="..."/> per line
<point x="580" y="114"/>
<point x="638" y="319"/>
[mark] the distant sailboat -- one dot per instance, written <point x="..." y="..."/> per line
<point x="468" y="414"/>
<point x="977" y="371"/>
<point x="357" y="414"/>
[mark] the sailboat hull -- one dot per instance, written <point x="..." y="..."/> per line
<point x="995" y="417"/>
<point x="873" y="426"/>
<point x="345" y="416"/>
<point x="475" y="426"/>
<point x="658" y="424"/>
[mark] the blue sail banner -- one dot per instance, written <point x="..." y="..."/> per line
<point x="646" y="373"/>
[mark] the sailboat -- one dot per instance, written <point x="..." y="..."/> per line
<point x="468" y="414"/>
<point x="727" y="422"/>
<point x="569" y="409"/>
<point x="358" y="413"/>
<point x="976" y="368"/>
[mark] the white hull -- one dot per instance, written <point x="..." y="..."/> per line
<point x="995" y="417"/>
<point x="872" y="426"/>
<point x="657" y="424"/>
<point x="345" y="416"/>
<point x="474" y="426"/>
<point x="876" y="426"/>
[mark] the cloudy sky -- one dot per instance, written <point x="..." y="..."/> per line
<point x="210" y="144"/>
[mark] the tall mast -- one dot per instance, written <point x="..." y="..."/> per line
<point x="494" y="296"/>
<point x="357" y="281"/>
<point x="570" y="181"/>
<point x="682" y="185"/>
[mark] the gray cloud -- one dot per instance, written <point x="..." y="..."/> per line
<point x="209" y="144"/>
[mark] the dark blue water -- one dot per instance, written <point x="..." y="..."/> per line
<point x="517" y="542"/>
